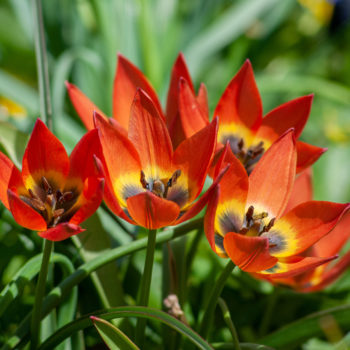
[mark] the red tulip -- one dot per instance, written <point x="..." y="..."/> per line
<point x="147" y="183"/>
<point x="241" y="120"/>
<point x="53" y="194"/>
<point x="246" y="219"/>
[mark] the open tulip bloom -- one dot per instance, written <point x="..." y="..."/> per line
<point x="53" y="194"/>
<point x="245" y="219"/>
<point x="331" y="244"/>
<point x="147" y="183"/>
<point x="127" y="80"/>
<point x="241" y="121"/>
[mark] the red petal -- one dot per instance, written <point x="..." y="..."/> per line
<point x="250" y="254"/>
<point x="193" y="157"/>
<point x="89" y="200"/>
<point x="151" y="211"/>
<point x="332" y="243"/>
<point x="120" y="155"/>
<point x="302" y="190"/>
<point x="84" y="107"/>
<point x="25" y="215"/>
<point x="271" y="181"/>
<point x="61" y="232"/>
<point x="82" y="161"/>
<point x="240" y="103"/>
<point x="202" y="99"/>
<point x="307" y="155"/>
<point x="209" y="218"/>
<point x="172" y="109"/>
<point x="331" y="274"/>
<point x="150" y="136"/>
<point x="192" y="116"/>
<point x="10" y="177"/>
<point x="304" y="225"/>
<point x="285" y="270"/>
<point x="293" y="114"/>
<point x="196" y="207"/>
<point x="127" y="80"/>
<point x="44" y="156"/>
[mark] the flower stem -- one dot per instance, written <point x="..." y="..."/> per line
<point x="146" y="284"/>
<point x="230" y="324"/>
<point x="42" y="66"/>
<point x="39" y="294"/>
<point x="213" y="299"/>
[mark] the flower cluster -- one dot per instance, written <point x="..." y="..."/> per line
<point x="154" y="164"/>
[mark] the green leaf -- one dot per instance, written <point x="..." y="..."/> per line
<point x="18" y="91"/>
<point x="244" y="346"/>
<point x="26" y="274"/>
<point x="58" y="293"/>
<point x="127" y="311"/>
<point x="230" y="25"/>
<point x="297" y="332"/>
<point x="14" y="142"/>
<point x="114" y="338"/>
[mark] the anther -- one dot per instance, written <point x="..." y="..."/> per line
<point x="249" y="214"/>
<point x="67" y="196"/>
<point x="143" y="181"/>
<point x="57" y="213"/>
<point x="46" y="185"/>
<point x="172" y="181"/>
<point x="158" y="188"/>
<point x="269" y="225"/>
<point x="31" y="193"/>
<point x="260" y="216"/>
<point x="37" y="204"/>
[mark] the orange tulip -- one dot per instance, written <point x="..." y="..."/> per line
<point x="246" y="219"/>
<point x="147" y="183"/>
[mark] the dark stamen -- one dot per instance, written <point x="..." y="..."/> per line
<point x="46" y="185"/>
<point x="57" y="213"/>
<point x="269" y="225"/>
<point x="172" y="181"/>
<point x="249" y="214"/>
<point x="143" y="181"/>
<point x="37" y="204"/>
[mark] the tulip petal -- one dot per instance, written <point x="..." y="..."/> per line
<point x="151" y="211"/>
<point x="272" y="179"/>
<point x="332" y="243"/>
<point x="191" y="114"/>
<point x="303" y="226"/>
<point x="202" y="100"/>
<point x="285" y="270"/>
<point x="61" y="232"/>
<point x="89" y="200"/>
<point x="240" y="107"/>
<point x="10" y="177"/>
<point x="82" y="161"/>
<point x="293" y="114"/>
<point x="82" y="104"/>
<point x="330" y="275"/>
<point x="121" y="159"/>
<point x="250" y="254"/>
<point x="196" y="207"/>
<point x="25" y="215"/>
<point x="302" y="190"/>
<point x="172" y="109"/>
<point x="307" y="155"/>
<point x="193" y="157"/>
<point x="150" y="136"/>
<point x="44" y="156"/>
<point x="127" y="80"/>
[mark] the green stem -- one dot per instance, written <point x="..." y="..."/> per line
<point x="230" y="324"/>
<point x="266" y="321"/>
<point x="39" y="295"/>
<point x="213" y="299"/>
<point x="42" y="66"/>
<point x="146" y="284"/>
<point x="61" y="291"/>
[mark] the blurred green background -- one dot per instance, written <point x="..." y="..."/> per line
<point x="296" y="48"/>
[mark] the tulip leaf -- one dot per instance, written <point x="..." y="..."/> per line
<point x="114" y="338"/>
<point x="18" y="91"/>
<point x="230" y="25"/>
<point x="243" y="346"/>
<point x="26" y="273"/>
<point x="127" y="311"/>
<point x="297" y="332"/>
